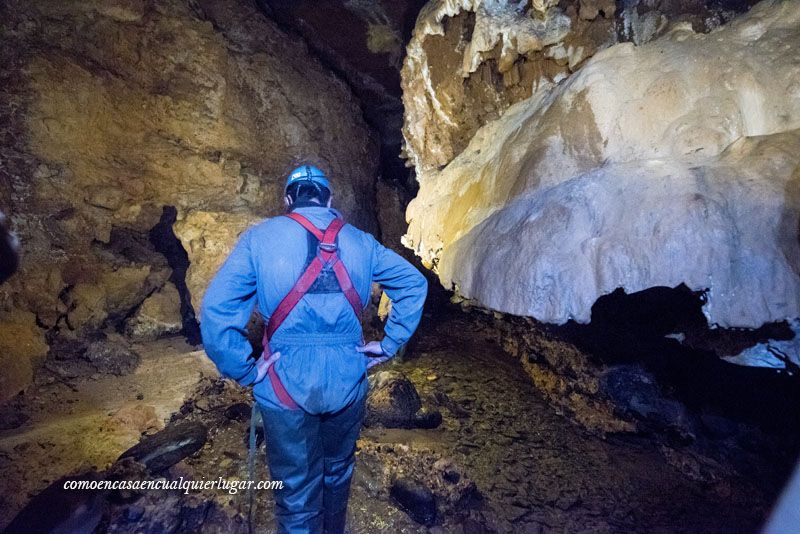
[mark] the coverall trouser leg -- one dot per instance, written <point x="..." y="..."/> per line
<point x="314" y="456"/>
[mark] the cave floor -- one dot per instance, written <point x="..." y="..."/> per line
<point x="537" y="471"/>
<point x="75" y="424"/>
<point x="532" y="469"/>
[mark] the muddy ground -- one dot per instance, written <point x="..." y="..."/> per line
<point x="502" y="459"/>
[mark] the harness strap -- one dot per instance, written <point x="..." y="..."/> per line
<point x="291" y="299"/>
<point x="326" y="256"/>
<point x="280" y="391"/>
<point x="305" y="223"/>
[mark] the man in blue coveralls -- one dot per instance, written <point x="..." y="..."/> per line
<point x="310" y="275"/>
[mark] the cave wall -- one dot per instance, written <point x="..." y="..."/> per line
<point x="671" y="162"/>
<point x="469" y="61"/>
<point x="111" y="110"/>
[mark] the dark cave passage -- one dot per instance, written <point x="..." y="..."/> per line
<point x="664" y="332"/>
<point x="167" y="243"/>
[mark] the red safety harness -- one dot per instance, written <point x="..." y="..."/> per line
<point x="325" y="256"/>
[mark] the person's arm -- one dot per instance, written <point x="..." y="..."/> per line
<point x="407" y="289"/>
<point x="226" y="309"/>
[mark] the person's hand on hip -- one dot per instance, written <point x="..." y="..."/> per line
<point x="263" y="364"/>
<point x="374" y="353"/>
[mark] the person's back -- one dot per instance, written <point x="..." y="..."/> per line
<point x="313" y="401"/>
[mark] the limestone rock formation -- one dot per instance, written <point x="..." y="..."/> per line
<point x="468" y="61"/>
<point x="159" y="315"/>
<point x="112" y="110"/>
<point x="22" y="349"/>
<point x="675" y="161"/>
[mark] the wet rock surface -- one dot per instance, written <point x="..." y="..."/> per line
<point x="415" y="499"/>
<point x="393" y="402"/>
<point x="168" y="447"/>
<point x="502" y="459"/>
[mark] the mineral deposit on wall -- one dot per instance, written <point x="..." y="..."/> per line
<point x="675" y="161"/>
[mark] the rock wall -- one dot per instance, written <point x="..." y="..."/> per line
<point x="675" y="161"/>
<point x="470" y="60"/>
<point x="111" y="110"/>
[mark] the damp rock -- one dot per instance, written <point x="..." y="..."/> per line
<point x="158" y="316"/>
<point x="239" y="411"/>
<point x="56" y="509"/>
<point x="170" y="446"/>
<point x="112" y="356"/>
<point x="634" y="391"/>
<point x="427" y="417"/>
<point x="393" y="401"/>
<point x="416" y="499"/>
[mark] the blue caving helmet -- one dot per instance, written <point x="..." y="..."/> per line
<point x="308" y="173"/>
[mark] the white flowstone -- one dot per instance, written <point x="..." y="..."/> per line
<point x="673" y="162"/>
<point x="502" y="23"/>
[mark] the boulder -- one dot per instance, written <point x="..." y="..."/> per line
<point x="393" y="402"/>
<point x="159" y="315"/>
<point x="416" y="499"/>
<point x="169" y="446"/>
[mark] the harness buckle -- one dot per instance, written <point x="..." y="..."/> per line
<point x="328" y="247"/>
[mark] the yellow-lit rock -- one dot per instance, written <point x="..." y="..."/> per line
<point x="112" y="110"/>
<point x="22" y="348"/>
<point x="159" y="315"/>
<point x="672" y="162"/>
<point x="208" y="238"/>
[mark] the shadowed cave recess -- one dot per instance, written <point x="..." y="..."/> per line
<point x="604" y="196"/>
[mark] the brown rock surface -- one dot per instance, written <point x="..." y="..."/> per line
<point x="112" y="110"/>
<point x="468" y="62"/>
<point x="159" y="314"/>
<point x="22" y="348"/>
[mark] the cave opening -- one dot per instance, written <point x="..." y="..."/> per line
<point x="663" y="330"/>
<point x="163" y="238"/>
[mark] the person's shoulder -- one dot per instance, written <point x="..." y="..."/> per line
<point x="266" y="229"/>
<point x="358" y="233"/>
<point x="270" y="223"/>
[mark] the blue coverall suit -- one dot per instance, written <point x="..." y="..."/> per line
<point x="310" y="449"/>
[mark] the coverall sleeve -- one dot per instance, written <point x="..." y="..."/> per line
<point x="226" y="309"/>
<point x="407" y="289"/>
